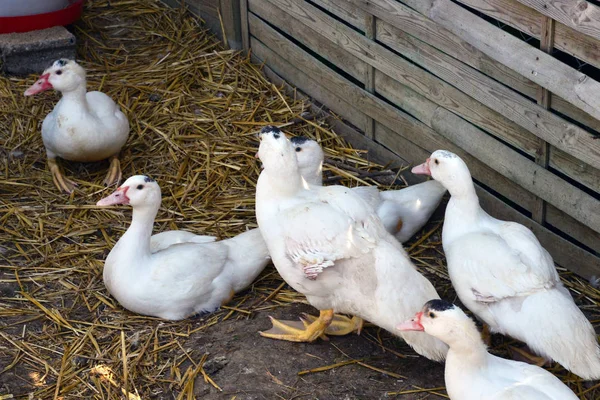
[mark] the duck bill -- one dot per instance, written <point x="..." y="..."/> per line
<point x="422" y="169"/>
<point x="118" y="197"/>
<point x="41" y="85"/>
<point x="413" y="324"/>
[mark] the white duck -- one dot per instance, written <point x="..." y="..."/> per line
<point x="83" y="126"/>
<point x="191" y="275"/>
<point x="474" y="374"/>
<point x="505" y="277"/>
<point x="328" y="244"/>
<point x="403" y="212"/>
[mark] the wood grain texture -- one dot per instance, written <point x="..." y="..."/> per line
<point x="549" y="127"/>
<point x="541" y="68"/>
<point x="544" y="96"/>
<point x="480" y="90"/>
<point x="421" y="29"/>
<point x="230" y="17"/>
<point x="575" y="169"/>
<point x="574" y="229"/>
<point x="244" y="24"/>
<point x="428" y="31"/>
<point x="373" y="151"/>
<point x="346" y="11"/>
<point x="346" y="61"/>
<point x="371" y="34"/>
<point x="529" y="21"/>
<point x="301" y="80"/>
<point x="579" y="15"/>
<point x="444" y="94"/>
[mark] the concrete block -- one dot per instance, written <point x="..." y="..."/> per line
<point x="33" y="52"/>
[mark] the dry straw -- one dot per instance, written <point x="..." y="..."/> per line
<point x="194" y="109"/>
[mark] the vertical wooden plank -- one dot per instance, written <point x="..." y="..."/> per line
<point x="544" y="97"/>
<point x="370" y="33"/>
<point x="244" y="25"/>
<point x="230" y="19"/>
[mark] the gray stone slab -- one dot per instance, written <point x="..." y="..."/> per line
<point x="33" y="52"/>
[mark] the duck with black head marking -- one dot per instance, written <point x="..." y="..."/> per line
<point x="83" y="126"/>
<point x="329" y="244"/>
<point x="471" y="373"/>
<point x="175" y="274"/>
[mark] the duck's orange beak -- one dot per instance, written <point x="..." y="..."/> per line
<point x="119" y="196"/>
<point x="38" y="87"/>
<point x="422" y="169"/>
<point x="413" y="324"/>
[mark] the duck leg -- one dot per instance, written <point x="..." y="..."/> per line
<point x="114" y="171"/>
<point x="227" y="300"/>
<point x="486" y="335"/>
<point x="60" y="181"/>
<point x="341" y="325"/>
<point x="297" y="331"/>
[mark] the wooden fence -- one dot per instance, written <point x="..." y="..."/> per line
<point x="222" y="17"/>
<point x="511" y="86"/>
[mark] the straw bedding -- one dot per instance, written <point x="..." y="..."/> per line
<point x="194" y="109"/>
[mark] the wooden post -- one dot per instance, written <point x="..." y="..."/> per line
<point x="244" y="25"/>
<point x="544" y="97"/>
<point x="230" y="18"/>
<point x="370" y="27"/>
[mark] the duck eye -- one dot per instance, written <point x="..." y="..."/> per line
<point x="431" y="315"/>
<point x="436" y="161"/>
<point x="140" y="187"/>
<point x="298" y="148"/>
<point x="59" y="72"/>
<point x="276" y="135"/>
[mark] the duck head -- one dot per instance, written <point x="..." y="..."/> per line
<point x="310" y="158"/>
<point x="444" y="321"/>
<point x="139" y="191"/>
<point x="64" y="75"/>
<point x="448" y="169"/>
<point x="275" y="151"/>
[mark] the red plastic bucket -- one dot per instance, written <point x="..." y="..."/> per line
<point x="26" y="23"/>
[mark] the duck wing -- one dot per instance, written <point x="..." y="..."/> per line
<point x="527" y="382"/>
<point x="330" y="224"/>
<point x="507" y="263"/>
<point x="163" y="240"/>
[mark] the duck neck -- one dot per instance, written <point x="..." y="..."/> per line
<point x="466" y="346"/>
<point x="462" y="212"/>
<point x="466" y="198"/>
<point x="285" y="182"/>
<point x="76" y="97"/>
<point x="140" y="230"/>
<point x="313" y="175"/>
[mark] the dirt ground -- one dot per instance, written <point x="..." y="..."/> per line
<point x="246" y="366"/>
<point x="194" y="108"/>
